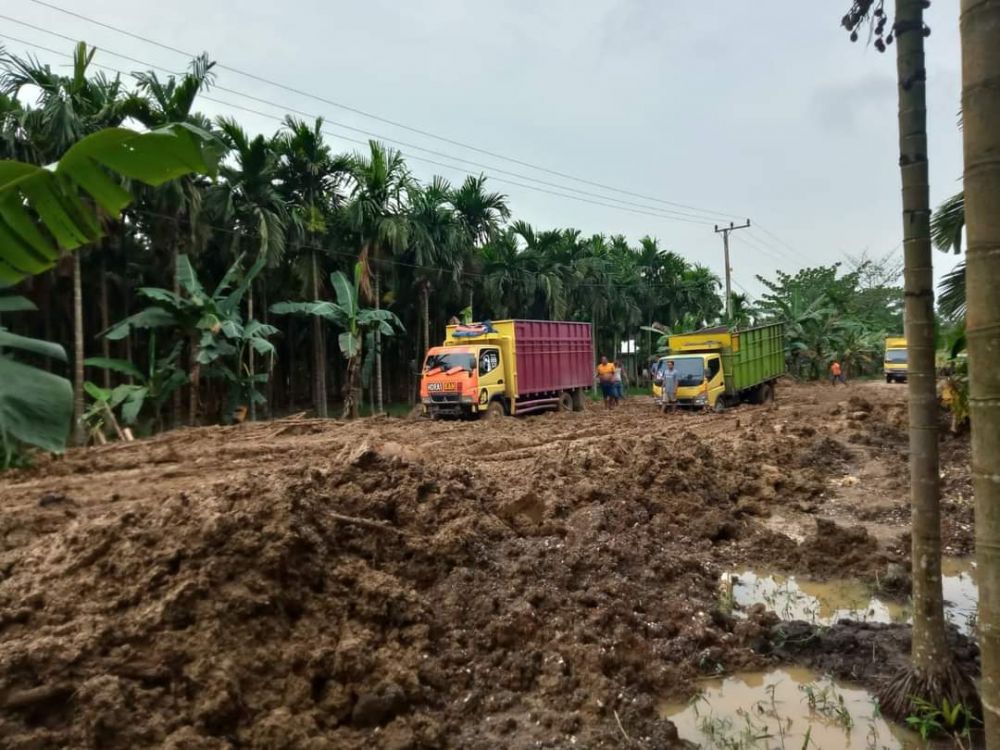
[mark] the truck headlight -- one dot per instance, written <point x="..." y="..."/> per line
<point x="702" y="399"/>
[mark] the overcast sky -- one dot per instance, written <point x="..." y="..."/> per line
<point x="758" y="110"/>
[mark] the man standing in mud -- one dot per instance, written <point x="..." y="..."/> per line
<point x="605" y="375"/>
<point x="836" y="373"/>
<point x="669" y="377"/>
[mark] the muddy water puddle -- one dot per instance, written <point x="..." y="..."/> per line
<point x="780" y="709"/>
<point x="825" y="602"/>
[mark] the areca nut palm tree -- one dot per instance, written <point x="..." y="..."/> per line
<point x="980" y="25"/>
<point x="931" y="674"/>
<point x="309" y="176"/>
<point x="378" y="217"/>
<point x="248" y="194"/>
<point x="482" y="215"/>
<point x="156" y="103"/>
<point x="435" y="245"/>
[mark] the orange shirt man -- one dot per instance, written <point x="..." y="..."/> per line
<point x="836" y="374"/>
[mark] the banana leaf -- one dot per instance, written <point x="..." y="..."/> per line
<point x="48" y="210"/>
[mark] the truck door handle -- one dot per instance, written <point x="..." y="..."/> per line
<point x="500" y="381"/>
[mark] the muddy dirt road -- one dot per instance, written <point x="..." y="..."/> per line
<point x="520" y="583"/>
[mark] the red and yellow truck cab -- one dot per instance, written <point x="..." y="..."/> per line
<point x="508" y="367"/>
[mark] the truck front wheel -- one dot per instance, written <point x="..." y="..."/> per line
<point x="494" y="411"/>
<point x="720" y="405"/>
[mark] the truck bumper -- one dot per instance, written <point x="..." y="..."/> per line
<point x="435" y="408"/>
<point x="691" y="403"/>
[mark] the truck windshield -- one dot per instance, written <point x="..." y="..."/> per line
<point x="895" y="356"/>
<point x="690" y="370"/>
<point x="445" y="361"/>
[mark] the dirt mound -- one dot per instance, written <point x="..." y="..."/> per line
<point x="371" y="602"/>
<point x="529" y="583"/>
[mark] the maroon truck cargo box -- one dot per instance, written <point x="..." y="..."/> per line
<point x="552" y="355"/>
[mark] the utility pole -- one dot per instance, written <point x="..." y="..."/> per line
<point x="729" y="282"/>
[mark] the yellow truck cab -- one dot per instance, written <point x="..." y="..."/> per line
<point x="719" y="367"/>
<point x="895" y="363"/>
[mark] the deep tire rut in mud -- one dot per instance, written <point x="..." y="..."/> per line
<point x="519" y="583"/>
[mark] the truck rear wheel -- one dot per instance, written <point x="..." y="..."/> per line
<point x="565" y="401"/>
<point x="767" y="393"/>
<point x="577" y="397"/>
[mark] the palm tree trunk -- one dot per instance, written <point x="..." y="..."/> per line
<point x="194" y="374"/>
<point x="593" y="340"/>
<point x="980" y="25"/>
<point x="267" y="360"/>
<point x="178" y="396"/>
<point x="79" y="434"/>
<point x="319" y="363"/>
<point x="931" y="675"/>
<point x="425" y="314"/>
<point x="105" y="344"/>
<point x="377" y="401"/>
<point x="252" y="407"/>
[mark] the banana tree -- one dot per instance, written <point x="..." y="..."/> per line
<point x="357" y="322"/>
<point x="161" y="379"/>
<point x="218" y="338"/>
<point x="36" y="407"/>
<point x="48" y="211"/>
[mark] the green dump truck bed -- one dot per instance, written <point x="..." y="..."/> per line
<point x="749" y="357"/>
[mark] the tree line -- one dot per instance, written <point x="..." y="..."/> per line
<point x="285" y="213"/>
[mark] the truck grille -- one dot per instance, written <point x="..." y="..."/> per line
<point x="445" y="399"/>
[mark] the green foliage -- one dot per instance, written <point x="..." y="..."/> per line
<point x="214" y="323"/>
<point x="36" y="407"/>
<point x="947" y="223"/>
<point x="151" y="388"/>
<point x="357" y="324"/>
<point x="47" y="210"/>
<point x="831" y="315"/>
<point x="931" y="720"/>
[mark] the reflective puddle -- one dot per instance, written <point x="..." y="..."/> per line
<point x="825" y="602"/>
<point x="781" y="709"/>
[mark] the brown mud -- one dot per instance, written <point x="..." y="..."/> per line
<point x="519" y="583"/>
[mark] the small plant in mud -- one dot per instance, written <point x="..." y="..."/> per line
<point x="727" y="600"/>
<point x="827" y="702"/>
<point x="708" y="665"/>
<point x="930" y="720"/>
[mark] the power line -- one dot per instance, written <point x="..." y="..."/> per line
<point x="627" y="206"/>
<point x="775" y="254"/>
<point x="379" y="118"/>
<point x="679" y="285"/>
<point x="777" y="239"/>
<point x="289" y="109"/>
